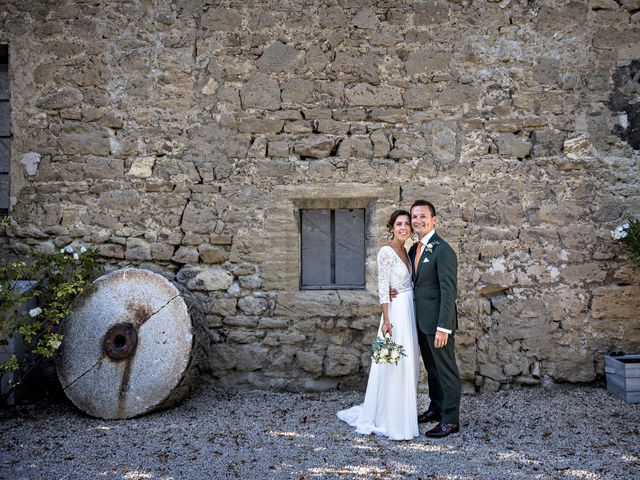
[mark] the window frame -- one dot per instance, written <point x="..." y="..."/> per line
<point x="332" y="233"/>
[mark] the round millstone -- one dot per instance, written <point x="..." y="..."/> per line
<point x="130" y="345"/>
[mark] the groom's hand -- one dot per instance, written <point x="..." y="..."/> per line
<point x="441" y="339"/>
<point x="393" y="293"/>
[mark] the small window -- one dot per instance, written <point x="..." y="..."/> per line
<point x="332" y="248"/>
<point x="5" y="129"/>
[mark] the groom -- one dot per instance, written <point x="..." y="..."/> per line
<point x="435" y="271"/>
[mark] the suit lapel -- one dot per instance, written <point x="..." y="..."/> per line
<point x="425" y="254"/>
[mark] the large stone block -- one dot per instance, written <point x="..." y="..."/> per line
<point x="513" y="145"/>
<point x="261" y="91"/>
<point x="427" y="61"/>
<point x="365" y="95"/>
<point x="340" y="361"/>
<point x="199" y="218"/>
<point x="419" y="96"/>
<point x="616" y="302"/>
<point x="260" y="125"/>
<point x="221" y="19"/>
<point x="277" y="57"/>
<point x="64" y="98"/>
<point x="315" y="146"/>
<point x="205" y="278"/>
<point x="252" y="305"/>
<point x="87" y="141"/>
<point x="251" y="357"/>
<point x="355" y="147"/>
<point x="310" y="361"/>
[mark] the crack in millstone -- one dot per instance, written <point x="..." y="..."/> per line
<point x="102" y="357"/>
<point x="157" y="311"/>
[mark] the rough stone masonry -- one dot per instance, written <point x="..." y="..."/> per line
<point x="184" y="137"/>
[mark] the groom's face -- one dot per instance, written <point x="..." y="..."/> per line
<point x="421" y="220"/>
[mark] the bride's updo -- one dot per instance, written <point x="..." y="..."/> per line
<point x="394" y="217"/>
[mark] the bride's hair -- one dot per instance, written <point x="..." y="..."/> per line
<point x="394" y="217"/>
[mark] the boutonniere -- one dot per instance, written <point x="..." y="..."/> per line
<point x="431" y="245"/>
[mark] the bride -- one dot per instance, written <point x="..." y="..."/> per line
<point x="390" y="404"/>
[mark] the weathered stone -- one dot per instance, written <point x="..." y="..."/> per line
<point x="137" y="249"/>
<point x="260" y="125"/>
<point x="355" y="147"/>
<point x="578" y="147"/>
<point x="365" y="18"/>
<point x="300" y="126"/>
<point x="253" y="305"/>
<point x="314" y="146"/>
<point x="365" y="95"/>
<point x="616" y="302"/>
<point x="278" y="149"/>
<point x="212" y="254"/>
<point x="332" y="127"/>
<point x="430" y="12"/>
<point x="186" y="255"/>
<point x="381" y="143"/>
<point x="261" y="91"/>
<point x="297" y="91"/>
<point x="251" y="357"/>
<point x="241" y="321"/>
<point x="513" y="145"/>
<point x="276" y="339"/>
<point x="277" y="57"/>
<point x="310" y="361"/>
<point x="427" y="61"/>
<point x="251" y="281"/>
<point x="222" y="358"/>
<point x="198" y="218"/>
<point x="110" y="250"/>
<point x="89" y="141"/>
<point x="340" y="361"/>
<point x="63" y="98"/>
<point x="419" y="96"/>
<point x="222" y="19"/>
<point x="162" y="251"/>
<point x="205" y="278"/>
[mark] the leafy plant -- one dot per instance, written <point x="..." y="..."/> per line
<point x="629" y="235"/>
<point x="59" y="278"/>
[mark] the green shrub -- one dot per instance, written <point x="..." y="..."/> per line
<point x="59" y="278"/>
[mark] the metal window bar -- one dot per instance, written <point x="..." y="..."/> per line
<point x="5" y="129"/>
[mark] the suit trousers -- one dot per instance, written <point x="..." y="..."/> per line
<point x="442" y="376"/>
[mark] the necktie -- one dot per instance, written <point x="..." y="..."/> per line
<point x="418" y="253"/>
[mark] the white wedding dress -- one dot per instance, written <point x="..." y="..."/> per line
<point x="390" y="404"/>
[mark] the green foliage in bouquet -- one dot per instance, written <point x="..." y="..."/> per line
<point x="59" y="278"/>
<point x="628" y="234"/>
<point x="385" y="350"/>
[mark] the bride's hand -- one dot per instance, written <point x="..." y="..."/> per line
<point x="386" y="328"/>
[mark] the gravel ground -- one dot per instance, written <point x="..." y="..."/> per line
<point x="565" y="432"/>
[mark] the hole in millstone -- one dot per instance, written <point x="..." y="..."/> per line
<point x="120" y="341"/>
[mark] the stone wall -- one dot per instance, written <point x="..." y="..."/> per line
<point x="183" y="136"/>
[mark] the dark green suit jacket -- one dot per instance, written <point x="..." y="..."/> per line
<point x="435" y="286"/>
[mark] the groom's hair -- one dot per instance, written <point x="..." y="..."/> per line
<point x="424" y="203"/>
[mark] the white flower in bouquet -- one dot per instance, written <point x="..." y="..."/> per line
<point x="34" y="312"/>
<point x="385" y="350"/>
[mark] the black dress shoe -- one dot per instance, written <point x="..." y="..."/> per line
<point x="442" y="430"/>
<point x="429" y="416"/>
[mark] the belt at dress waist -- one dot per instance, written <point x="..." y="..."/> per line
<point x="403" y="289"/>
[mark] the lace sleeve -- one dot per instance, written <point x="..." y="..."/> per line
<point x="385" y="259"/>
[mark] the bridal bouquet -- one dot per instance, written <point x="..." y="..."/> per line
<point x="385" y="350"/>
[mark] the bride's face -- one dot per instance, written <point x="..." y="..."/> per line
<point x="402" y="228"/>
